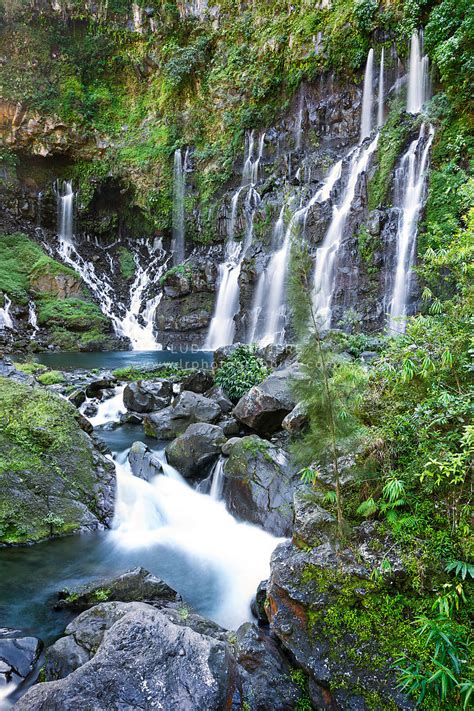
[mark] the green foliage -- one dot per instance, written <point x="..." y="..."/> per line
<point x="30" y="368"/>
<point x="164" y="370"/>
<point x="102" y="594"/>
<point x="53" y="521"/>
<point x="52" y="377"/>
<point x="127" y="263"/>
<point x="241" y="371"/>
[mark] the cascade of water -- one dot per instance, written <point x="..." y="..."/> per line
<point x="409" y="188"/>
<point x="380" y="115"/>
<point x="270" y="297"/>
<point x="134" y="322"/>
<point x="5" y="317"/>
<point x="32" y="317"/>
<point x="299" y="120"/>
<point x="108" y="410"/>
<point x="217" y="481"/>
<point x="367" y="97"/>
<point x="167" y="512"/>
<point x="324" y="275"/>
<point x="251" y="163"/>
<point x="222" y="327"/>
<point x="417" y="75"/>
<point x="179" y="189"/>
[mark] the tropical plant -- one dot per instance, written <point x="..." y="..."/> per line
<point x="241" y="371"/>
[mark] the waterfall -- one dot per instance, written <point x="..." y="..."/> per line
<point x="32" y="317"/>
<point x="299" y="120"/>
<point x="409" y="183"/>
<point x="367" y="97"/>
<point x="222" y="326"/>
<point x="179" y="188"/>
<point x="109" y="410"/>
<point x="135" y="322"/>
<point x="217" y="480"/>
<point x="5" y="318"/>
<point x="417" y="75"/>
<point x="380" y="113"/>
<point x="270" y="298"/>
<point x="326" y="255"/>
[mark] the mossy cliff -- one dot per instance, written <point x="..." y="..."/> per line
<point x="52" y="479"/>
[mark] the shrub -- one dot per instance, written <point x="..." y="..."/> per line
<point x="241" y="371"/>
<point x="52" y="377"/>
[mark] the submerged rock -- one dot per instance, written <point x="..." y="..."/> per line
<point x="143" y="463"/>
<point x="259" y="484"/>
<point x="136" y="585"/>
<point x="194" y="452"/>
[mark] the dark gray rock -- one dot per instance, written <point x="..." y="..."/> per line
<point x="259" y="483"/>
<point x="105" y="381"/>
<point x="143" y="463"/>
<point x="198" y="382"/>
<point x="194" y="452"/>
<point x="265" y="406"/>
<point x="173" y="420"/>
<point x="313" y="523"/>
<point x="275" y="355"/>
<point x="144" y="661"/>
<point x="265" y="680"/>
<point x="136" y="585"/>
<point x="147" y="395"/>
<point x="217" y="393"/>
<point x="258" y="604"/>
<point x="77" y="397"/>
<point x="63" y="657"/>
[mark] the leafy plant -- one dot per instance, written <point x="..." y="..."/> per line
<point x="52" y="377"/>
<point x="241" y="371"/>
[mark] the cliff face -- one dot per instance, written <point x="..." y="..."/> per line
<point x="105" y="95"/>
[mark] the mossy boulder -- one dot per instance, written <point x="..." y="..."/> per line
<point x="52" y="479"/>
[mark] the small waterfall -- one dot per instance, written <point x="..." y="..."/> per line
<point x="179" y="189"/>
<point x="418" y="74"/>
<point x="66" y="211"/>
<point x="135" y="322"/>
<point x="32" y="317"/>
<point x="222" y="326"/>
<point x="326" y="255"/>
<point x="380" y="111"/>
<point x="217" y="481"/>
<point x="367" y="97"/>
<point x="109" y="410"/>
<point x="5" y="317"/>
<point x="299" y="120"/>
<point x="195" y="528"/>
<point x="270" y="298"/>
<point x="409" y="184"/>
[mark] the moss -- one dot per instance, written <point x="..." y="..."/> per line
<point x="52" y="377"/>
<point x="30" y="368"/>
<point x="126" y="263"/>
<point x="164" y="370"/>
<point x="102" y="594"/>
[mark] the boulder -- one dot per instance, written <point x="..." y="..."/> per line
<point x="264" y="673"/>
<point x="312" y="522"/>
<point x="194" y="452"/>
<point x="147" y="395"/>
<point x="296" y="420"/>
<point x="265" y="406"/>
<point x="136" y="585"/>
<point x="144" y="661"/>
<point x="325" y="608"/>
<point x="18" y="656"/>
<point x="173" y="420"/>
<point x="259" y="482"/>
<point x="53" y="479"/>
<point x="143" y="463"/>
<point x="217" y="394"/>
<point x="95" y="387"/>
<point x="198" y="382"/>
<point x="77" y="397"/>
<point x="275" y="355"/>
<point x="258" y="604"/>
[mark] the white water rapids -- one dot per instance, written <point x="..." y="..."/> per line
<point x="167" y="513"/>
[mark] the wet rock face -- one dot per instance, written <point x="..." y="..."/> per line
<point x="194" y="452"/>
<point x="304" y="590"/>
<point x="259" y="484"/>
<point x="18" y="656"/>
<point x="143" y="463"/>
